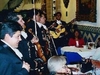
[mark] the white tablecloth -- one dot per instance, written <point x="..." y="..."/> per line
<point x="86" y="53"/>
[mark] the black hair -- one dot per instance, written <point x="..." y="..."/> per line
<point x="9" y="27"/>
<point x="33" y="12"/>
<point x="3" y="14"/>
<point x="78" y="32"/>
<point x="58" y="13"/>
<point x="12" y="16"/>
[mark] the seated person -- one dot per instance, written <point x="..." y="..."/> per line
<point x="57" y="66"/>
<point x="76" y="40"/>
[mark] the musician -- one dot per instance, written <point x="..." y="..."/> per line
<point x="24" y="44"/>
<point x="46" y="36"/>
<point x="62" y="39"/>
<point x="35" y="26"/>
<point x="36" y="30"/>
<point x="11" y="62"/>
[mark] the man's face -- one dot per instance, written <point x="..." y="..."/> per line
<point x="58" y="16"/>
<point x="21" y="21"/>
<point x="37" y="17"/>
<point x="14" y="40"/>
<point x="42" y="19"/>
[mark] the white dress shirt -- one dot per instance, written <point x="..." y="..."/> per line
<point x="17" y="52"/>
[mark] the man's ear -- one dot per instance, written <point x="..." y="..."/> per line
<point x="7" y="36"/>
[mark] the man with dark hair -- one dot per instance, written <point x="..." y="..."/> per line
<point x="11" y="62"/>
<point x="24" y="44"/>
<point x="36" y="30"/>
<point x="58" y="29"/>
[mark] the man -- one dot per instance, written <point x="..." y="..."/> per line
<point x="37" y="27"/>
<point x="58" y="30"/>
<point x="36" y="30"/>
<point x="24" y="44"/>
<point x="11" y="62"/>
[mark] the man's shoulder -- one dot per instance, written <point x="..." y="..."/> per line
<point x="63" y="21"/>
<point x="31" y="22"/>
<point x="1" y="45"/>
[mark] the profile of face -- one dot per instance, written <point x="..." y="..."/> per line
<point x="64" y="70"/>
<point x="42" y="19"/>
<point x="37" y="17"/>
<point x="21" y="21"/>
<point x="58" y="64"/>
<point x="14" y="40"/>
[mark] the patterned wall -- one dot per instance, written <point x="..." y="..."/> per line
<point x="52" y="6"/>
<point x="89" y="33"/>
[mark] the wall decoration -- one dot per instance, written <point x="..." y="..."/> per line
<point x="86" y="10"/>
<point x="66" y="2"/>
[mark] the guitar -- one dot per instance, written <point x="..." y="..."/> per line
<point x="58" y="31"/>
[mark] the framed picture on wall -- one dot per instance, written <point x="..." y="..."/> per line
<point x="86" y="10"/>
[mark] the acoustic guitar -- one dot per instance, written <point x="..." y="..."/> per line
<point x="58" y="31"/>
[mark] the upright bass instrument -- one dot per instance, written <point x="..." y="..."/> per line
<point x="38" y="47"/>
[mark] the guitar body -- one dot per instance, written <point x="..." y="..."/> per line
<point x="58" y="31"/>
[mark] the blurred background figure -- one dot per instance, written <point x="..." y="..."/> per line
<point x="76" y="40"/>
<point x="57" y="66"/>
<point x="98" y="43"/>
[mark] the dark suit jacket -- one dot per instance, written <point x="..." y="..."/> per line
<point x="31" y="25"/>
<point x="26" y="51"/>
<point x="10" y="63"/>
<point x="62" y="41"/>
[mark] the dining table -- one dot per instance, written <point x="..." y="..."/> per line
<point x="83" y="52"/>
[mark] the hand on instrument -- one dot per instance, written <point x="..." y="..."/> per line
<point x="35" y="40"/>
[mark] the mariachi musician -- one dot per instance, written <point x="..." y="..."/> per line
<point x="24" y="45"/>
<point x="35" y="28"/>
<point x="58" y="30"/>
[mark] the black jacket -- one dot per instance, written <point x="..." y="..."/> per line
<point x="10" y="63"/>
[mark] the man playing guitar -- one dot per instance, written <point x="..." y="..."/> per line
<point x="58" y="30"/>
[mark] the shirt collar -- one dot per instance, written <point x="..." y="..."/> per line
<point x="42" y="25"/>
<point x="39" y="24"/>
<point x="17" y="52"/>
